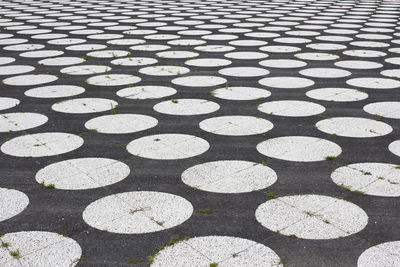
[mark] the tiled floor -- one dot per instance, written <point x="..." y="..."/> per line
<point x="199" y="133"/>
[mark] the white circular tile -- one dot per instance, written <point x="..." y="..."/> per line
<point x="240" y="93"/>
<point x="393" y="60"/>
<point x="41" y="144"/>
<point x="113" y="80"/>
<point x="243" y="72"/>
<point x="280" y="49"/>
<point x="161" y="37"/>
<point x="134" y="61"/>
<point x="369" y="44"/>
<point x="291" y="108"/>
<point x="11" y="41"/>
<point x="316" y="56"/>
<point x="177" y="54"/>
<point x="214" y="48"/>
<point x="392" y="73"/>
<point x="86" y="32"/>
<point x="108" y="53"/>
<point x="236" y="125"/>
<point x="146" y="92"/>
<point x="299" y="148"/>
<point x="149" y="47"/>
<point x="282" y="63"/>
<point x="364" y="53"/>
<point x="384" y="255"/>
<point x="199" y="81"/>
<point x="325" y="73"/>
<point x="6" y="60"/>
<point x="217" y="251"/>
<point x="248" y="42"/>
<point x="326" y="46"/>
<point x="374" y="83"/>
<point x="208" y="62"/>
<point x="61" y="61"/>
<point x="83" y="173"/>
<point x="219" y="37"/>
<point x="24" y="47"/>
<point x="164" y="70"/>
<point x="85" y="69"/>
<point x="13" y="122"/>
<point x="376" y="179"/>
<point x="186" y="107"/>
<point x="126" y="42"/>
<point x="292" y="40"/>
<point x="54" y="91"/>
<point x="394" y="147"/>
<point x="105" y="36"/>
<point x="340" y="31"/>
<point x="354" y="127"/>
<point x="86" y="47"/>
<point x="121" y="123"/>
<point x="168" y="146"/>
<point x="45" y="249"/>
<point x="42" y="54"/>
<point x="312" y="216"/>
<point x="8" y="102"/>
<point x="33" y="79"/>
<point x="229" y="176"/>
<point x="384" y="109"/>
<point x="337" y="94"/>
<point x="137" y="212"/>
<point x="12" y="203"/>
<point x="261" y="35"/>
<point x="246" y="55"/>
<point x="15" y="69"/>
<point x="84" y="105"/>
<point x="286" y="82"/>
<point x="358" y="64"/>
<point x="67" y="41"/>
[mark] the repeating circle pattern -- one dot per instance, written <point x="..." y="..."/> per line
<point x="145" y="88"/>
